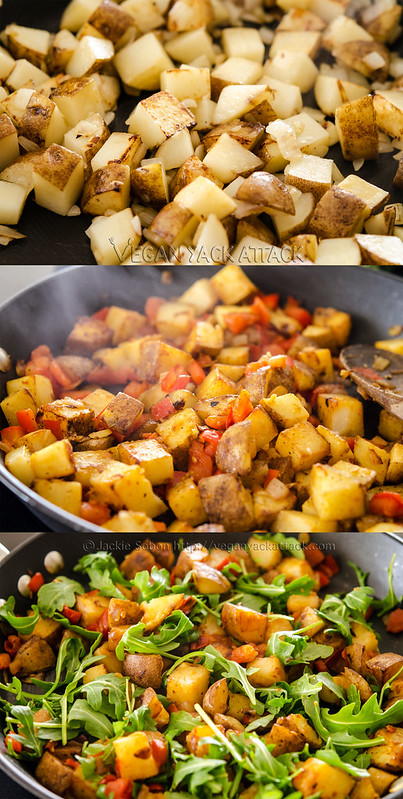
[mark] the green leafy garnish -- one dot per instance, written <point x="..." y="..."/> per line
<point x="169" y="637"/>
<point x="387" y="604"/>
<point x="107" y="694"/>
<point x="341" y="612"/>
<point x="53" y="596"/>
<point x="103" y="573"/>
<point x="23" y="624"/>
<point x="95" y="723"/>
<point x="294" y="647"/>
<point x="152" y="585"/>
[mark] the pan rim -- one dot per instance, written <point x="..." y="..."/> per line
<point x="29" y="782"/>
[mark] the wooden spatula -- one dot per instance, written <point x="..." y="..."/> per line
<point x="378" y="375"/>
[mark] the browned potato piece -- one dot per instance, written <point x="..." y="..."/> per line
<point x="34" y="655"/>
<point x="338" y="214"/>
<point x="314" y="775"/>
<point x="298" y="723"/>
<point x="53" y="774"/>
<point x="157" y="710"/>
<point x="293" y="568"/>
<point x="284" y="739"/>
<point x="389" y="756"/>
<point x="156" y="610"/>
<point x="208" y="580"/>
<point x="110" y="21"/>
<point x="108" y="189"/>
<point x="357" y="128"/>
<point x="187" y="685"/>
<point x="216" y="698"/>
<point x="246" y="133"/>
<point x="122" y="414"/>
<point x="190" y="170"/>
<point x="144" y="670"/>
<point x="188" y="558"/>
<point x="350" y="677"/>
<point x="80" y="787"/>
<point x="227" y="502"/>
<point x="236" y="449"/>
<point x="244" y="624"/>
<point x="383" y="667"/>
<point x="139" y="560"/>
<point x="264" y="189"/>
<point x="380" y="780"/>
<point x="123" y="611"/>
<point x="396" y="693"/>
<point x="364" y="789"/>
<point x="354" y="54"/>
<point x="269" y="670"/>
<point x="87" y="336"/>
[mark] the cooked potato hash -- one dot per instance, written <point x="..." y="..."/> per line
<point x="220" y="405"/>
<point x="224" y="155"/>
<point x="225" y="668"/>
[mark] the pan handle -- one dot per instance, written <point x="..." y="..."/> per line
<point x="3" y="551"/>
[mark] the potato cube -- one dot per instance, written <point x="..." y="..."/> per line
<point x="9" y="142"/>
<point x="303" y="444"/>
<point x="342" y="414"/>
<point x="268" y="671"/>
<point x="90" y="55"/>
<point x="185" y="501"/>
<point x="108" y="189"/>
<point x="335" y="495"/>
<point x="314" y="774"/>
<point x="339" y="448"/>
<point x="60" y="51"/>
<point x="390" y="427"/>
<point x="269" y="501"/>
<point x="158" y="117"/>
<point x="187" y="684"/>
<point x="386" y="250"/>
<point x="203" y="197"/>
<point x="357" y="129"/>
<point x="122" y="414"/>
<point x="30" y="43"/>
<point x="66" y="495"/>
<point x="371" y="195"/>
<point x="388" y="107"/>
<point x="134" y="757"/>
<point x="77" y="98"/>
<point x="128" y="487"/>
<point x="174" y="319"/>
<point x="294" y="521"/>
<point x="343" y="252"/>
<point x="263" y="429"/>
<point x="320" y="361"/>
<point x="310" y="174"/>
<point x="123" y="148"/>
<point x="128" y="521"/>
<point x="395" y="467"/>
<point x="56" y="460"/>
<point x="38" y="439"/>
<point x="295" y="69"/>
<point x="187" y="82"/>
<point x="306" y="42"/>
<point x="114" y="238"/>
<point x="156" y="462"/>
<point x="216" y="384"/>
<point x="178" y="432"/>
<point x="6" y="63"/>
<point x="227" y="502"/>
<point x="232" y="285"/>
<point x="150" y="358"/>
<point x="227" y="159"/>
<point x="73" y="416"/>
<point x="141" y="62"/>
<point x="86" y="138"/>
<point x="237" y="100"/>
<point x="371" y="457"/>
<point x="338" y="321"/>
<point x="286" y="409"/>
<point x="206" y="338"/>
<point x="188" y="46"/>
<point x="58" y="176"/>
<point x="12" y="202"/>
<point x="17" y="401"/>
<point x="201" y="296"/>
<point x="172" y="226"/>
<point x="287" y="225"/>
<point x="18" y="462"/>
<point x="86" y="464"/>
<point x="244" y="43"/>
<point x="339" y="213"/>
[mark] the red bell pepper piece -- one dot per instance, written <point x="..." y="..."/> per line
<point x="101" y="314"/>
<point x="387" y="503"/>
<point x="242" y="407"/>
<point x="12" y="645"/>
<point x="54" y="426"/>
<point x="159" y="751"/>
<point x="95" y="512"/>
<point x="323" y="579"/>
<point x="73" y="616"/>
<point x="237" y="322"/>
<point x="36" y="582"/>
<point x="271" y="475"/>
<point x="42" y="351"/>
<point x="395" y="621"/>
<point x="5" y="660"/>
<point x="26" y="418"/>
<point x="58" y="374"/>
<point x="313" y="554"/>
<point x="103" y="624"/>
<point x="11" y="435"/>
<point x="217" y="422"/>
<point x="331" y="564"/>
<point x="271" y="300"/>
<point x="261" y="310"/>
<point x="135" y="388"/>
<point x="200" y="464"/>
<point x="212" y="438"/>
<point x="16" y="745"/>
<point x="162" y="409"/>
<point x="294" y="310"/>
<point x="196" y="372"/>
<point x="119" y="788"/>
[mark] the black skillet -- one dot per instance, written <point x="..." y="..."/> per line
<point x="45" y="313"/>
<point x="53" y="239"/>
<point x="371" y="553"/>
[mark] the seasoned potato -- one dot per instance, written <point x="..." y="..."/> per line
<point x="313" y="774"/>
<point x="226" y="501"/>
<point x="144" y="670"/>
<point x="268" y="670"/>
<point x="216" y="699"/>
<point x="53" y="774"/>
<point x="187" y="685"/>
<point x="34" y="655"/>
<point x="389" y="756"/>
<point x="244" y="624"/>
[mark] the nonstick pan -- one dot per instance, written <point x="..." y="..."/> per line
<point x="53" y="239"/>
<point x="45" y="313"/>
<point x="370" y="553"/>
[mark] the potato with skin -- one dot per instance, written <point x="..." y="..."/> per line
<point x="227" y="502"/>
<point x="217" y="697"/>
<point x="208" y="580"/>
<point x="338" y="214"/>
<point x="144" y="670"/>
<point x="350" y="677"/>
<point x="244" y="624"/>
<point x="268" y="192"/>
<point x="108" y="189"/>
<point x="157" y="710"/>
<point x="269" y="670"/>
<point x="357" y="129"/>
<point x="123" y="611"/>
<point x="53" y="774"/>
<point x="35" y="655"/>
<point x="157" y="610"/>
<point x="236" y="449"/>
<point x="383" y="667"/>
<point x="58" y="177"/>
<point x="188" y="558"/>
<point x="389" y="756"/>
<point x="187" y="685"/>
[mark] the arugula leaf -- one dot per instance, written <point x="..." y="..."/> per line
<point x="330" y="756"/>
<point x="23" y="716"/>
<point x="68" y="661"/>
<point x="171" y="634"/>
<point x="139" y="719"/>
<point x="287" y="543"/>
<point x="368" y="719"/>
<point x="360" y="575"/>
<point x="107" y="694"/>
<point x="23" y="624"/>
<point x="152" y="585"/>
<point x="103" y="573"/>
<point x="53" y="596"/>
<point x="95" y="723"/>
<point x="340" y="612"/>
<point x="387" y="604"/>
<point x="215" y="661"/>
<point x="179" y="722"/>
<point x="91" y="635"/>
<point x="276" y="592"/>
<point x="204" y="777"/>
<point x="294" y="647"/>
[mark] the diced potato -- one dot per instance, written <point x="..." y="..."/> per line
<point x="114" y="238"/>
<point x="390" y="754"/>
<point x="236" y="69"/>
<point x="61" y="50"/>
<point x="331" y="92"/>
<point x="237" y="100"/>
<point x="53" y="461"/>
<point x="122" y="414"/>
<point x="77" y="98"/>
<point x="357" y="129"/>
<point x="339" y="213"/>
<point x="93" y="673"/>
<point x="287" y="225"/>
<point x="388" y="107"/>
<point x="390" y="427"/>
<point x="58" y="179"/>
<point x="174" y="319"/>
<point x="90" y="55"/>
<point x="368" y="455"/>
<point x="65" y="494"/>
<point x="203" y="197"/>
<point x="146" y="14"/>
<point x="232" y="285"/>
<point x="86" y="138"/>
<point x="86" y="464"/>
<point x="185" y="501"/>
<point x="151" y="456"/>
<point x="38" y="439"/>
<point x="244" y="624"/>
<point x="269" y="501"/>
<point x="338" y="321"/>
<point x="286" y="409"/>
<point x="320" y="361"/>
<point x="178" y="432"/>
<point x="292" y="67"/>
<point x="339" y="448"/>
<point x="108" y="189"/>
<point x="216" y="384"/>
<point x="18" y="462"/>
<point x="130" y="489"/>
<point x="371" y="195"/>
<point x="243" y="42"/>
<point x="227" y="502"/>
<point x="263" y="429"/>
<point x="236" y="449"/>
<point x="395" y="467"/>
<point x="268" y="671"/>
<point x="17" y="401"/>
<point x="342" y="414"/>
<point x="310" y="174"/>
<point x="303" y="444"/>
<point x="128" y="521"/>
<point x="335" y="495"/>
<point x="386" y="250"/>
<point x="294" y="521"/>
<point x="134" y="757"/>
<point x="188" y="46"/>
<point x="227" y="159"/>
<point x="9" y="141"/>
<point x="314" y="774"/>
<point x="187" y="685"/>
<point x="141" y="62"/>
<point x="12" y="201"/>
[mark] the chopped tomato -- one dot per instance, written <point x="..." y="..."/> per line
<point x="331" y="564"/>
<point x="200" y="464"/>
<point x="59" y="375"/>
<point x="111" y="377"/>
<point x="261" y="310"/>
<point x="11" y="435"/>
<point x="135" y="388"/>
<point x="313" y="554"/>
<point x="26" y="418"/>
<point x="119" y="789"/>
<point x="162" y="409"/>
<point x="159" y="751"/>
<point x="196" y="372"/>
<point x="72" y="763"/>
<point x="271" y="300"/>
<point x="16" y="745"/>
<point x="242" y="406"/>
<point x="54" y="426"/>
<point x="36" y="582"/>
<point x="395" y="621"/>
<point x="103" y="624"/>
<point x="95" y="512"/>
<point x="323" y="579"/>
<point x="387" y="503"/>
<point x="271" y="475"/>
<point x="244" y="654"/>
<point x="12" y="645"/>
<point x="101" y="314"/>
<point x="237" y="322"/>
<point x="294" y="310"/>
<point x="73" y="616"/>
<point x="152" y="306"/>
<point x="5" y="660"/>
<point x="212" y="438"/>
